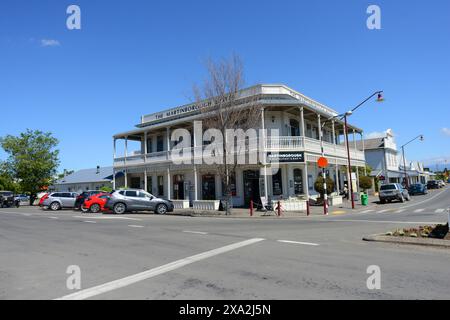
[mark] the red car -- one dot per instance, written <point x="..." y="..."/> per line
<point x="41" y="201"/>
<point x="95" y="203"/>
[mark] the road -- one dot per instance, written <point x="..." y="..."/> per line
<point x="173" y="257"/>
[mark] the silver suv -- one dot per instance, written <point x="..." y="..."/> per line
<point x="59" y="200"/>
<point x="393" y="191"/>
<point x="137" y="200"/>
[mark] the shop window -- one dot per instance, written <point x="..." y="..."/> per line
<point x="295" y="128"/>
<point x="232" y="186"/>
<point x="277" y="185"/>
<point x="298" y="181"/>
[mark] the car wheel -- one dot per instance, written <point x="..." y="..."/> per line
<point x="95" y="208"/>
<point x="382" y="201"/>
<point x="402" y="199"/>
<point x="161" y="209"/>
<point x="120" y="208"/>
<point x="55" y="206"/>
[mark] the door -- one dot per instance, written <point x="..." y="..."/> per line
<point x="178" y="187"/>
<point x="251" y="187"/>
<point x="298" y="182"/>
<point x="132" y="200"/>
<point x="135" y="183"/>
<point x="208" y="187"/>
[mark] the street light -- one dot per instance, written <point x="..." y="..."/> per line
<point x="380" y="98"/>
<point x="404" y="160"/>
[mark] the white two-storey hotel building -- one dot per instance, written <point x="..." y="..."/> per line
<point x="297" y="118"/>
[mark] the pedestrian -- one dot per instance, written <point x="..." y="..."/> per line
<point x="345" y="192"/>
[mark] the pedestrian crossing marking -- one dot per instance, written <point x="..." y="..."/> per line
<point x="367" y="211"/>
<point x="383" y="211"/>
<point x="419" y="210"/>
<point x="399" y="211"/>
<point x="440" y="210"/>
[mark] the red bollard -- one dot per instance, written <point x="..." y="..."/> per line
<point x="251" y="208"/>
<point x="308" y="212"/>
<point x="279" y="209"/>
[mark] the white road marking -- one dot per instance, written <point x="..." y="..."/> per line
<point x="419" y="210"/>
<point x="440" y="211"/>
<point x="135" y="226"/>
<point x="385" y="210"/>
<point x="381" y="221"/>
<point x="90" y="221"/>
<point x="195" y="232"/>
<point x="399" y="211"/>
<point x="298" y="242"/>
<point x="367" y="211"/>
<point x="108" y="218"/>
<point x="55" y="218"/>
<point x="120" y="283"/>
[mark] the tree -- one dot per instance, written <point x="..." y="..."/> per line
<point x="224" y="112"/>
<point x="32" y="159"/>
<point x="365" y="182"/>
<point x="7" y="182"/>
<point x="318" y="186"/>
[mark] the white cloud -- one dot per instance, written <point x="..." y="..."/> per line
<point x="50" y="43"/>
<point x="446" y="131"/>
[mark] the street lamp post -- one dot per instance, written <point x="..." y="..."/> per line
<point x="404" y="159"/>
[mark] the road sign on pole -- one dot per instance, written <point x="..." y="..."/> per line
<point x="322" y="162"/>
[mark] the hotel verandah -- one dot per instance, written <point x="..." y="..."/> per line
<point x="298" y="119"/>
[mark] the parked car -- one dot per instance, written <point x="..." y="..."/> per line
<point x="7" y="200"/>
<point x="441" y="183"/>
<point x="83" y="196"/>
<point x="433" y="184"/>
<point x="393" y="191"/>
<point x="137" y="200"/>
<point x="59" y="200"/>
<point x="418" y="188"/>
<point x="22" y="198"/>
<point x="42" y="198"/>
<point x="95" y="203"/>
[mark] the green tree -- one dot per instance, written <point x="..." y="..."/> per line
<point x="7" y="182"/>
<point x="318" y="186"/>
<point x="365" y="182"/>
<point x="32" y="159"/>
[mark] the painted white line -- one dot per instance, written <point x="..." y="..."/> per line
<point x="400" y="211"/>
<point x="440" y="211"/>
<point x="380" y="221"/>
<point x="419" y="210"/>
<point x="385" y="210"/>
<point x="120" y="283"/>
<point x="298" y="242"/>
<point x="90" y="221"/>
<point x="108" y="218"/>
<point x="367" y="211"/>
<point x="195" y="232"/>
<point x="135" y="226"/>
<point x="55" y="218"/>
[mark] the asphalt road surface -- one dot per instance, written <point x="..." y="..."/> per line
<point x="171" y="257"/>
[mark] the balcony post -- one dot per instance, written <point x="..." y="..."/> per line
<point x="126" y="178"/>
<point x="168" y="183"/>
<point x="195" y="183"/>
<point x="319" y="124"/>
<point x="126" y="150"/>
<point x="334" y="132"/>
<point x="145" y="148"/>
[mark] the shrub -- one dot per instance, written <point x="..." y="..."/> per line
<point x="318" y="186"/>
<point x="365" y="182"/>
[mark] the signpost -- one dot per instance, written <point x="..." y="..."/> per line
<point x="323" y="163"/>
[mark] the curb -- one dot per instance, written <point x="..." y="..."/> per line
<point x="407" y="240"/>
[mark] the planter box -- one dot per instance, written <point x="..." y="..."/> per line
<point x="180" y="204"/>
<point x="291" y="205"/>
<point x="335" y="200"/>
<point x="211" y="205"/>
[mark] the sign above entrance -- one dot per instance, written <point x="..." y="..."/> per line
<point x="286" y="157"/>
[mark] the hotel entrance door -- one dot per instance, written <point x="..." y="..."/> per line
<point x="208" y="187"/>
<point x="251" y="187"/>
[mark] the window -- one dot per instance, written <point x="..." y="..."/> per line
<point x="122" y="192"/>
<point x="232" y="186"/>
<point x="159" y="144"/>
<point x="295" y="128"/>
<point x="298" y="181"/>
<point x="149" y="145"/>
<point x="131" y="193"/>
<point x="277" y="184"/>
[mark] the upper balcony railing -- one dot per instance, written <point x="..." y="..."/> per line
<point x="278" y="144"/>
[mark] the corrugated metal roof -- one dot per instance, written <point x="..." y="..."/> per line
<point x="88" y="175"/>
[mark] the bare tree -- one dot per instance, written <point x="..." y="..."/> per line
<point x="228" y="108"/>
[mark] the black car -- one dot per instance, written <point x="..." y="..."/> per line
<point x="83" y="196"/>
<point x="433" y="184"/>
<point x="8" y="200"/>
<point x="418" y="188"/>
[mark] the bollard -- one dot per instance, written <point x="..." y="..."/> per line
<point x="279" y="209"/>
<point x="251" y="208"/>
<point x="308" y="212"/>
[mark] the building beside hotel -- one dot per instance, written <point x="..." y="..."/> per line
<point x="298" y="119"/>
<point x="382" y="155"/>
<point x="86" y="179"/>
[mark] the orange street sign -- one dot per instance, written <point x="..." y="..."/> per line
<point x="322" y="162"/>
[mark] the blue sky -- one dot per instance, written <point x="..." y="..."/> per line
<point x="137" y="57"/>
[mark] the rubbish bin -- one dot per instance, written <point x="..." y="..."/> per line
<point x="364" y="199"/>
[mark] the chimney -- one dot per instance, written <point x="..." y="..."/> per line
<point x="98" y="170"/>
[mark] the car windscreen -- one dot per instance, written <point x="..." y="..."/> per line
<point x="6" y="194"/>
<point x="388" y="187"/>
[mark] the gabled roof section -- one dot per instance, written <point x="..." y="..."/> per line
<point x="102" y="174"/>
